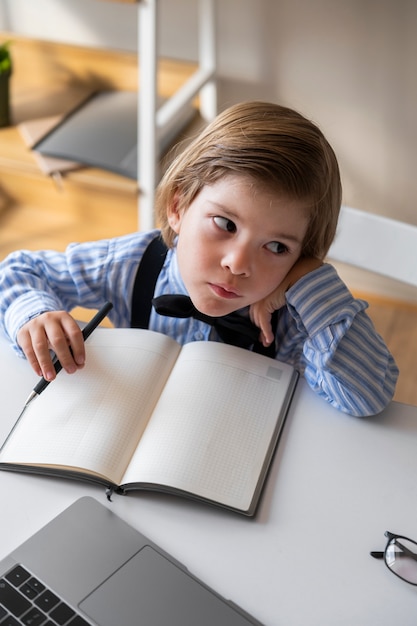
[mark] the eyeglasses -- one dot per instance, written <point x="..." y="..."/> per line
<point x="400" y="556"/>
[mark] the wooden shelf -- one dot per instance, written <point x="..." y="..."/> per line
<point x="155" y="123"/>
<point x="49" y="79"/>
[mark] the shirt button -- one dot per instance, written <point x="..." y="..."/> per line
<point x="198" y="336"/>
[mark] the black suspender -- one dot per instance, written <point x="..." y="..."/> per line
<point x="148" y="271"/>
<point x="146" y="276"/>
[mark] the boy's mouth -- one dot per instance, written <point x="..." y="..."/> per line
<point x="224" y="291"/>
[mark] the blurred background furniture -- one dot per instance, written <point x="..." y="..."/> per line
<point x="383" y="247"/>
<point x="154" y="122"/>
<point x="377" y="244"/>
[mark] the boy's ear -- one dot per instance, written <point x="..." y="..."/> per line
<point x="174" y="214"/>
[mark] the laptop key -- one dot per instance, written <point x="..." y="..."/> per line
<point x="36" y="585"/>
<point x="62" y="613"/>
<point x="10" y="621"/>
<point x="12" y="600"/>
<point x="34" y="617"/>
<point x="28" y="591"/>
<point x="46" y="601"/>
<point x="17" y="576"/>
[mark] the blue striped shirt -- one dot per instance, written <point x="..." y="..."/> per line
<point x="323" y="331"/>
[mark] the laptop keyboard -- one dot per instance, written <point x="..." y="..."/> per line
<point x="25" y="601"/>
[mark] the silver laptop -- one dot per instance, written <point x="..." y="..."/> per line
<point x="87" y="566"/>
<point x="102" y="132"/>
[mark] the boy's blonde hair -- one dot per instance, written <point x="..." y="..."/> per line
<point x="275" y="146"/>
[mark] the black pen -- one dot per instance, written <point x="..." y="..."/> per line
<point x="87" y="330"/>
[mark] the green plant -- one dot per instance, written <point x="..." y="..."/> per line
<point x="5" y="58"/>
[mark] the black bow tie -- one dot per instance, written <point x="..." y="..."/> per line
<point x="232" y="328"/>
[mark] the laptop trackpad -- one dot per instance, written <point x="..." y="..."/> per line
<point x="149" y="589"/>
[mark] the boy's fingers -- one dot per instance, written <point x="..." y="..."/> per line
<point x="25" y="343"/>
<point x="75" y="340"/>
<point x="67" y="342"/>
<point x="262" y="319"/>
<point x="36" y="348"/>
<point x="40" y="349"/>
<point x="57" y="332"/>
<point x="267" y="336"/>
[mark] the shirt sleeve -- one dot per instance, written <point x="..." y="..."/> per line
<point x="86" y="275"/>
<point x="343" y="358"/>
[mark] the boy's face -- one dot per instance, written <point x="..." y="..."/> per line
<point x="236" y="243"/>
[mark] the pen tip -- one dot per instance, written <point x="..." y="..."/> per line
<point x="31" y="397"/>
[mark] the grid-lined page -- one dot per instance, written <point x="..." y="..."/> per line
<point x="93" y="419"/>
<point x="213" y="426"/>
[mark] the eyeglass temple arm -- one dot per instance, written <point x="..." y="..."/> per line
<point x="405" y="552"/>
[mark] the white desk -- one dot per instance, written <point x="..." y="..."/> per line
<point x="336" y="484"/>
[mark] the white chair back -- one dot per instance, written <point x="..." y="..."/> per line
<point x="376" y="243"/>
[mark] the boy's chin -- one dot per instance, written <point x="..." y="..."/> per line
<point x="214" y="306"/>
<point x="215" y="310"/>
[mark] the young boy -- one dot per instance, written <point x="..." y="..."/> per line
<point x="248" y="212"/>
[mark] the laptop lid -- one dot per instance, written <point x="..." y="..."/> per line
<point x="114" y="576"/>
<point x="102" y="132"/>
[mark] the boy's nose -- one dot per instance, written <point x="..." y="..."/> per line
<point x="238" y="260"/>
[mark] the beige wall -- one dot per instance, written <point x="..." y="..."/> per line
<point x="348" y="64"/>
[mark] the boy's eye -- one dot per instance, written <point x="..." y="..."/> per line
<point x="276" y="247"/>
<point x="225" y="224"/>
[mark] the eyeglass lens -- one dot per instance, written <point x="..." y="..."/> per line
<point x="401" y="558"/>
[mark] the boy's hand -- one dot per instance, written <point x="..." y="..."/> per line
<point x="261" y="312"/>
<point x="57" y="331"/>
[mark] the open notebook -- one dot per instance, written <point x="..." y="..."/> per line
<point x="201" y="420"/>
